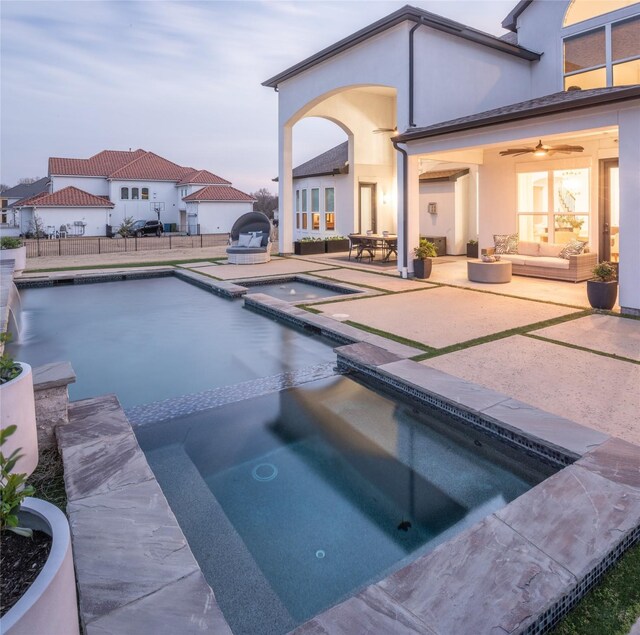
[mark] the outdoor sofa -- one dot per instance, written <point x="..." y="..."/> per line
<point x="250" y="240"/>
<point x="542" y="260"/>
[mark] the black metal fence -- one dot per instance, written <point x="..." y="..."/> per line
<point x="88" y="245"/>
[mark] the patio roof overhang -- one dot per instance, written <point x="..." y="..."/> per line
<point x="558" y="103"/>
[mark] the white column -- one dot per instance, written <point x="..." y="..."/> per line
<point x="413" y="199"/>
<point x="629" y="148"/>
<point x="285" y="189"/>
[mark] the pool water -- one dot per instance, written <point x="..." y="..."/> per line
<point x="295" y="291"/>
<point x="157" y="338"/>
<point x="292" y="502"/>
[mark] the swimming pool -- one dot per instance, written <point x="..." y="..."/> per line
<point x="156" y="338"/>
<point x="293" y="501"/>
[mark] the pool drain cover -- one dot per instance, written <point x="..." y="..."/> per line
<point x="320" y="554"/>
<point x="264" y="472"/>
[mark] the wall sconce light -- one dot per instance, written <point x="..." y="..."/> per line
<point x="432" y="208"/>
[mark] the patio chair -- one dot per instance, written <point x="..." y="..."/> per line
<point x="257" y="225"/>
<point x="391" y="247"/>
<point x="354" y="243"/>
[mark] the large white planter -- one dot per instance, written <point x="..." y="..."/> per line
<point x="49" y="605"/>
<point x="18" y="255"/>
<point x="19" y="408"/>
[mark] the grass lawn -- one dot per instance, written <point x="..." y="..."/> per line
<point x="613" y="606"/>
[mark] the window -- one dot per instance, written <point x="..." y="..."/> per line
<point x="304" y="200"/>
<point x="330" y="221"/>
<point x="606" y="56"/>
<point x="124" y="193"/>
<point x="145" y="193"/>
<point x="297" y="200"/>
<point x="329" y="208"/>
<point x="315" y="199"/>
<point x="304" y="218"/>
<point x="553" y="198"/>
<point x="315" y="221"/>
<point x="580" y="10"/>
<point x="297" y="221"/>
<point x="135" y="193"/>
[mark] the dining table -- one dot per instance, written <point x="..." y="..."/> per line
<point x="386" y="243"/>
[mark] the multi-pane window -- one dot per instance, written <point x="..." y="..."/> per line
<point x="315" y="199"/>
<point x="304" y="200"/>
<point x="329" y="208"/>
<point x="304" y="220"/>
<point x="315" y="221"/>
<point x="135" y="193"/>
<point x="606" y="56"/>
<point x="297" y="221"/>
<point x="145" y="193"/>
<point x="124" y="193"/>
<point x="553" y="205"/>
<point x="297" y="200"/>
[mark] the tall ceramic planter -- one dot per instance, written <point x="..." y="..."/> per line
<point x="602" y="295"/>
<point x="49" y="604"/>
<point x="19" y="409"/>
<point x="18" y="255"/>
<point x="422" y="268"/>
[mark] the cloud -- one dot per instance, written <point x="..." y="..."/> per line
<point x="179" y="78"/>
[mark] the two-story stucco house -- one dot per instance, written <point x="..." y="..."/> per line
<point x="541" y="127"/>
<point x="86" y="196"/>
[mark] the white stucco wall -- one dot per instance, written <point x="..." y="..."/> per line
<point x="94" y="185"/>
<point x="159" y="191"/>
<point x="218" y="217"/>
<point x="94" y="217"/>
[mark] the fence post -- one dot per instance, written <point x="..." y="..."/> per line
<point x="136" y="243"/>
<point x="200" y="241"/>
<point x="59" y="247"/>
<point x="99" y="246"/>
<point x="169" y="242"/>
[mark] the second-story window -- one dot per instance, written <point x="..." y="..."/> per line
<point x="145" y="194"/>
<point x="124" y="193"/>
<point x="135" y="193"/>
<point x="606" y="56"/>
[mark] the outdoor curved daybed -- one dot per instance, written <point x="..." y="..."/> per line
<point x="255" y="223"/>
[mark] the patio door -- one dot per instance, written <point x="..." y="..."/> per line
<point x="368" y="216"/>
<point x="609" y="211"/>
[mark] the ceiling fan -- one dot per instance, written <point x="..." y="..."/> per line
<point x="541" y="150"/>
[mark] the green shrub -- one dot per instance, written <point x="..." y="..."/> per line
<point x="8" y="368"/>
<point x="604" y="272"/>
<point x="425" y="250"/>
<point x="9" y="242"/>
<point x="12" y="488"/>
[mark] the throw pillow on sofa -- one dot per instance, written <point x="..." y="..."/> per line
<point x="506" y="243"/>
<point x="256" y="241"/>
<point x="244" y="240"/>
<point x="527" y="248"/>
<point x="572" y="248"/>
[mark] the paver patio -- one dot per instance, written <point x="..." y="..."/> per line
<point x="444" y="316"/>
<point x="605" y="333"/>
<point x="600" y="392"/>
<point x="380" y="281"/>
<point x="276" y="267"/>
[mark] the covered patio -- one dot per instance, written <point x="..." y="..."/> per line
<point x="549" y="170"/>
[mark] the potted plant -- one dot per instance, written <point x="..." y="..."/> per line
<point x="602" y="290"/>
<point x="18" y="408"/>
<point x="308" y="246"/>
<point x="422" y="263"/>
<point x="14" y="249"/>
<point x="333" y="244"/>
<point x="36" y="549"/>
<point x="472" y="249"/>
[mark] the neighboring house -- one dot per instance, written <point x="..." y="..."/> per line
<point x="458" y="98"/>
<point x="19" y="192"/>
<point x="89" y="196"/>
<point x="217" y="207"/>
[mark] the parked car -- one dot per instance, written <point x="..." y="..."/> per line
<point x="145" y="227"/>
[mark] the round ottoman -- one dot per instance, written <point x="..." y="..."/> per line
<point x="491" y="272"/>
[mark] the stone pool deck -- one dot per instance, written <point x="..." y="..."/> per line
<point x="517" y="571"/>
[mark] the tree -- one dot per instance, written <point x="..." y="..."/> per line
<point x="3" y="187"/>
<point x="266" y="202"/>
<point x="27" y="180"/>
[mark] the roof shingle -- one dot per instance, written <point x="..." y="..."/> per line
<point x="24" y="190"/>
<point x="66" y="197"/>
<point x="203" y="177"/>
<point x="219" y="193"/>
<point x="333" y="161"/>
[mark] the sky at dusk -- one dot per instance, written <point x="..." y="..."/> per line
<point x="181" y="79"/>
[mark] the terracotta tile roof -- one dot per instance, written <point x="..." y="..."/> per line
<point x="101" y="164"/>
<point x="557" y="102"/>
<point x="66" y="197"/>
<point x="218" y="193"/>
<point x="150" y="166"/>
<point x="203" y="177"/>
